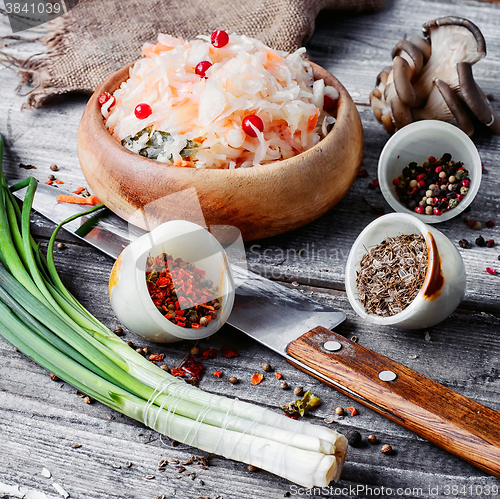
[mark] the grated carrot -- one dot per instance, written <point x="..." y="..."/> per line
<point x="91" y="200"/>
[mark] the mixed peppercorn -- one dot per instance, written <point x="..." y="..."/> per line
<point x="438" y="185"/>
<point x="180" y="291"/>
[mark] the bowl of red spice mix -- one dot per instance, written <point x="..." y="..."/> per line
<point x="430" y="169"/>
<point x="174" y="283"/>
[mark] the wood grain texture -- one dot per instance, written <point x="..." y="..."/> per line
<point x="457" y="424"/>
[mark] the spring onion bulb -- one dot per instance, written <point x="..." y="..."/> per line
<point x="42" y="319"/>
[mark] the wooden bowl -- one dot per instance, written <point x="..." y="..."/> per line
<point x="260" y="201"/>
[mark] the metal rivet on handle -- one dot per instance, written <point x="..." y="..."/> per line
<point x="332" y="346"/>
<point x="387" y="375"/>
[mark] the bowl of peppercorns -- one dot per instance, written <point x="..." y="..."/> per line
<point x="430" y="169"/>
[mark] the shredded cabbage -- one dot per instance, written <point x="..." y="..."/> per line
<point x="246" y="77"/>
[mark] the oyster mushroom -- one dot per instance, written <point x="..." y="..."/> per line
<point x="453" y="40"/>
<point x="443" y="104"/>
<point x="475" y="99"/>
<point x="412" y="54"/>
<point x="432" y="79"/>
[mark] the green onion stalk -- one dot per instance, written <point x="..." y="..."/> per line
<point x="42" y="319"/>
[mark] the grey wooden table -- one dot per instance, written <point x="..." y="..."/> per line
<point x="42" y="420"/>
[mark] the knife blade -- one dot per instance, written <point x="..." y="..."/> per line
<point x="277" y="317"/>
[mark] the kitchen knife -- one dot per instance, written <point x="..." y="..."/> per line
<point x="277" y="317"/>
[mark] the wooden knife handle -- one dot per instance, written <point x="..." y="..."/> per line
<point x="453" y="422"/>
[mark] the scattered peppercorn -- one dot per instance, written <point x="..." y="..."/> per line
<point x="52" y="177"/>
<point x="463" y="243"/>
<point x="252" y="468"/>
<point x="490" y="223"/>
<point x="60" y="245"/>
<point x="118" y="331"/>
<point x="266" y="367"/>
<point x="478" y="225"/>
<point x="53" y="377"/>
<point x="490" y="243"/>
<point x="164" y="367"/>
<point x="195" y="351"/>
<point x="339" y="411"/>
<point x="88" y="400"/>
<point x="480" y="241"/>
<point x="284" y="385"/>
<point x="233" y="380"/>
<point x="353" y="438"/>
<point x="130" y="344"/>
<point x="372" y="439"/>
<point x="298" y="390"/>
<point x="54" y="168"/>
<point x="386" y="449"/>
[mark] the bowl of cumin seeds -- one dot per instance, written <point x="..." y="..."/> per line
<point x="403" y="273"/>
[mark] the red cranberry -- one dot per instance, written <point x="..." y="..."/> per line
<point x="431" y="159"/>
<point x="437" y="211"/>
<point x="420" y="210"/>
<point x="329" y="105"/>
<point x="219" y="39"/>
<point x="104" y="97"/>
<point x="250" y="121"/>
<point x="201" y="68"/>
<point x="143" y="111"/>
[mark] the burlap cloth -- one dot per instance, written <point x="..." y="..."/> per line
<point x="98" y="37"/>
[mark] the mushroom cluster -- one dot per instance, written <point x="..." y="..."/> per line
<point x="431" y="78"/>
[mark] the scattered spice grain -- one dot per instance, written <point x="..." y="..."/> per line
<point x="353" y="438"/>
<point x="54" y="168"/>
<point x="118" y="331"/>
<point x="76" y="446"/>
<point x="61" y="245"/>
<point x="480" y="241"/>
<point x="266" y="368"/>
<point x="339" y="411"/>
<point x="490" y="243"/>
<point x="252" y="468"/>
<point x="284" y="385"/>
<point x="298" y="390"/>
<point x="372" y="439"/>
<point x="392" y="273"/>
<point x="53" y="377"/>
<point x="233" y="380"/>
<point x="386" y="449"/>
<point x="463" y="243"/>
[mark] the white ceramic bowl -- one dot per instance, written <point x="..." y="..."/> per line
<point x="444" y="284"/>
<point x="416" y="142"/>
<point x="128" y="291"/>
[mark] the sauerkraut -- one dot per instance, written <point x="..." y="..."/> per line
<point x="204" y="114"/>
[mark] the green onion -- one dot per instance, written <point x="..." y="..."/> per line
<point x="41" y="318"/>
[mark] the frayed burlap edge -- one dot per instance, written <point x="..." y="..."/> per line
<point x="36" y="70"/>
